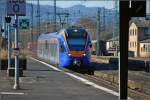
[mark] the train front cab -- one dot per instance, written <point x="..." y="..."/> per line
<point x="81" y="60"/>
<point x="77" y="47"/>
<point x="81" y="63"/>
<point x="70" y="59"/>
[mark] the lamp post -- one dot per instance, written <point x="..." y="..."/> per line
<point x="16" y="85"/>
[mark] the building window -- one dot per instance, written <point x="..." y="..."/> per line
<point x="135" y="44"/>
<point x="130" y="32"/>
<point x="148" y="47"/>
<point x="144" y="47"/>
<point x="146" y="31"/>
<point x="135" y="32"/>
<point x="130" y="44"/>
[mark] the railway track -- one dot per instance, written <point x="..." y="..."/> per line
<point x="133" y="93"/>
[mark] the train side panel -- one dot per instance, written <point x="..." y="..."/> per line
<point x="63" y="53"/>
<point x="48" y="49"/>
<point x="55" y="49"/>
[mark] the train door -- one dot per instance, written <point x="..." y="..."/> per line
<point x="63" y="55"/>
<point x="57" y="54"/>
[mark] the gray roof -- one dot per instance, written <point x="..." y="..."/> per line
<point x="114" y="39"/>
<point x="140" y="23"/>
<point x="145" y="41"/>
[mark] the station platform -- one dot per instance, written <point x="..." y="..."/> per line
<point x="43" y="83"/>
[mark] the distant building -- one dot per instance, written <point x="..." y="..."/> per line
<point x="139" y="38"/>
<point x="102" y="47"/>
<point x="112" y="46"/>
<point x="145" y="48"/>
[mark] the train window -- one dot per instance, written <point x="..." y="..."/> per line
<point x="76" y="33"/>
<point x="62" y="48"/>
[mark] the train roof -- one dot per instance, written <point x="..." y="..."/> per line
<point x="57" y="35"/>
<point x="48" y="35"/>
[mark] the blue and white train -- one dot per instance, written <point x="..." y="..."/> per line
<point x="67" y="48"/>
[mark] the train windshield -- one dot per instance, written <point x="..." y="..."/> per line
<point x="76" y="39"/>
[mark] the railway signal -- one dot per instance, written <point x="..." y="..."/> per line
<point x="16" y="8"/>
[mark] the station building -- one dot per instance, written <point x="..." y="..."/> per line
<point x="139" y="38"/>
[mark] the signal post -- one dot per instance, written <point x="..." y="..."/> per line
<point x="16" y="8"/>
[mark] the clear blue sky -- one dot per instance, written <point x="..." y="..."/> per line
<point x="89" y="3"/>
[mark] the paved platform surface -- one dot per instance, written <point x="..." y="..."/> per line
<point x="43" y="83"/>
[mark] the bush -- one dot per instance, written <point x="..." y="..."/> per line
<point x="3" y="54"/>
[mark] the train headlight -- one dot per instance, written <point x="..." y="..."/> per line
<point x="69" y="54"/>
<point x="84" y="54"/>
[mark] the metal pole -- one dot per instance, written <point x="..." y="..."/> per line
<point x="5" y="25"/>
<point x="1" y="19"/>
<point x="16" y="85"/>
<point x="47" y="24"/>
<point x="9" y="47"/>
<point x="48" y="21"/>
<point x="123" y="61"/>
<point x="60" y="20"/>
<point x="115" y="28"/>
<point x="31" y="23"/>
<point x="104" y="19"/>
<point x="54" y="15"/>
<point x="38" y="25"/>
<point x="98" y="51"/>
<point x="38" y="17"/>
<point x="5" y="29"/>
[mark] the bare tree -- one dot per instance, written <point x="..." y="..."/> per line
<point x="89" y="24"/>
